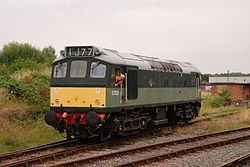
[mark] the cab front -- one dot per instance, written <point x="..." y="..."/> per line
<point x="78" y="96"/>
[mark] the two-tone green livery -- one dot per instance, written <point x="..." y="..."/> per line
<point x="97" y="91"/>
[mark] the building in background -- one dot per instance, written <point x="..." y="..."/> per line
<point x="206" y="88"/>
<point x="239" y="87"/>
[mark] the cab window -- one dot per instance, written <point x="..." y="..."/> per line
<point x="60" y="70"/>
<point x="78" y="69"/>
<point x="97" y="70"/>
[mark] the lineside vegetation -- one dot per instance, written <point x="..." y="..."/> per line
<point x="24" y="95"/>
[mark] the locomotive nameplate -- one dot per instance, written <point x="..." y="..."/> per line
<point x="72" y="51"/>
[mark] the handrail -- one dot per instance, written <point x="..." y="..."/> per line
<point x="126" y="88"/>
<point x="121" y="93"/>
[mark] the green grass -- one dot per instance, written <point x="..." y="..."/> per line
<point x="231" y="118"/>
<point x="5" y="148"/>
<point x="222" y="111"/>
<point x="19" y="135"/>
<point x="227" y="124"/>
<point x="218" y="128"/>
<point x="20" y="127"/>
<point x="222" y="118"/>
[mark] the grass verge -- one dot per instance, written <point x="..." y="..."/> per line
<point x="239" y="119"/>
<point x="19" y="135"/>
<point x="222" y="111"/>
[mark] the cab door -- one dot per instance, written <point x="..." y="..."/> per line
<point x="128" y="89"/>
<point x="131" y="84"/>
<point x="118" y="91"/>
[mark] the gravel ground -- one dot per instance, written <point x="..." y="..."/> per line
<point x="139" y="143"/>
<point x="211" y="158"/>
<point x="177" y="147"/>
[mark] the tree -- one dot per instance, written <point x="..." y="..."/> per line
<point x="15" y="51"/>
<point x="50" y="53"/>
<point x="205" y="77"/>
<point x="23" y="55"/>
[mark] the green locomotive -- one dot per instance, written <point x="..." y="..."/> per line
<point x="97" y="91"/>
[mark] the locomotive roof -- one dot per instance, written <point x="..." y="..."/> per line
<point x="143" y="62"/>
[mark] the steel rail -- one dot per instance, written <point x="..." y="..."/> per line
<point x="240" y="161"/>
<point x="159" y="145"/>
<point x="55" y="155"/>
<point x="11" y="155"/>
<point x="170" y="155"/>
<point x="88" y="146"/>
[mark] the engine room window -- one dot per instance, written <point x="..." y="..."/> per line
<point x="60" y="70"/>
<point x="78" y="69"/>
<point x="97" y="70"/>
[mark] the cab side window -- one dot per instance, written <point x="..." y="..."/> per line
<point x="97" y="70"/>
<point x="60" y="70"/>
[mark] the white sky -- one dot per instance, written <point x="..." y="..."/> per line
<point x="214" y="35"/>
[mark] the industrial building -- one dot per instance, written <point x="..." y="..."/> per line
<point x="239" y="87"/>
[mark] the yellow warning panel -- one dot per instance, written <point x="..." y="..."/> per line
<point x="77" y="97"/>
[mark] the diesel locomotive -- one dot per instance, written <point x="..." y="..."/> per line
<point x="102" y="92"/>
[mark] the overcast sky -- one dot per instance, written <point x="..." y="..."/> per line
<point x="214" y="35"/>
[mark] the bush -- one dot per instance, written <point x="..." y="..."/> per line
<point x="25" y="79"/>
<point x="22" y="68"/>
<point x="223" y="98"/>
<point x="22" y="55"/>
<point x="33" y="90"/>
<point x="216" y="101"/>
<point x="225" y="94"/>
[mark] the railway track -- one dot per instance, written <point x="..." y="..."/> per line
<point x="32" y="150"/>
<point x="67" y="150"/>
<point x="243" y="160"/>
<point x="224" y="139"/>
